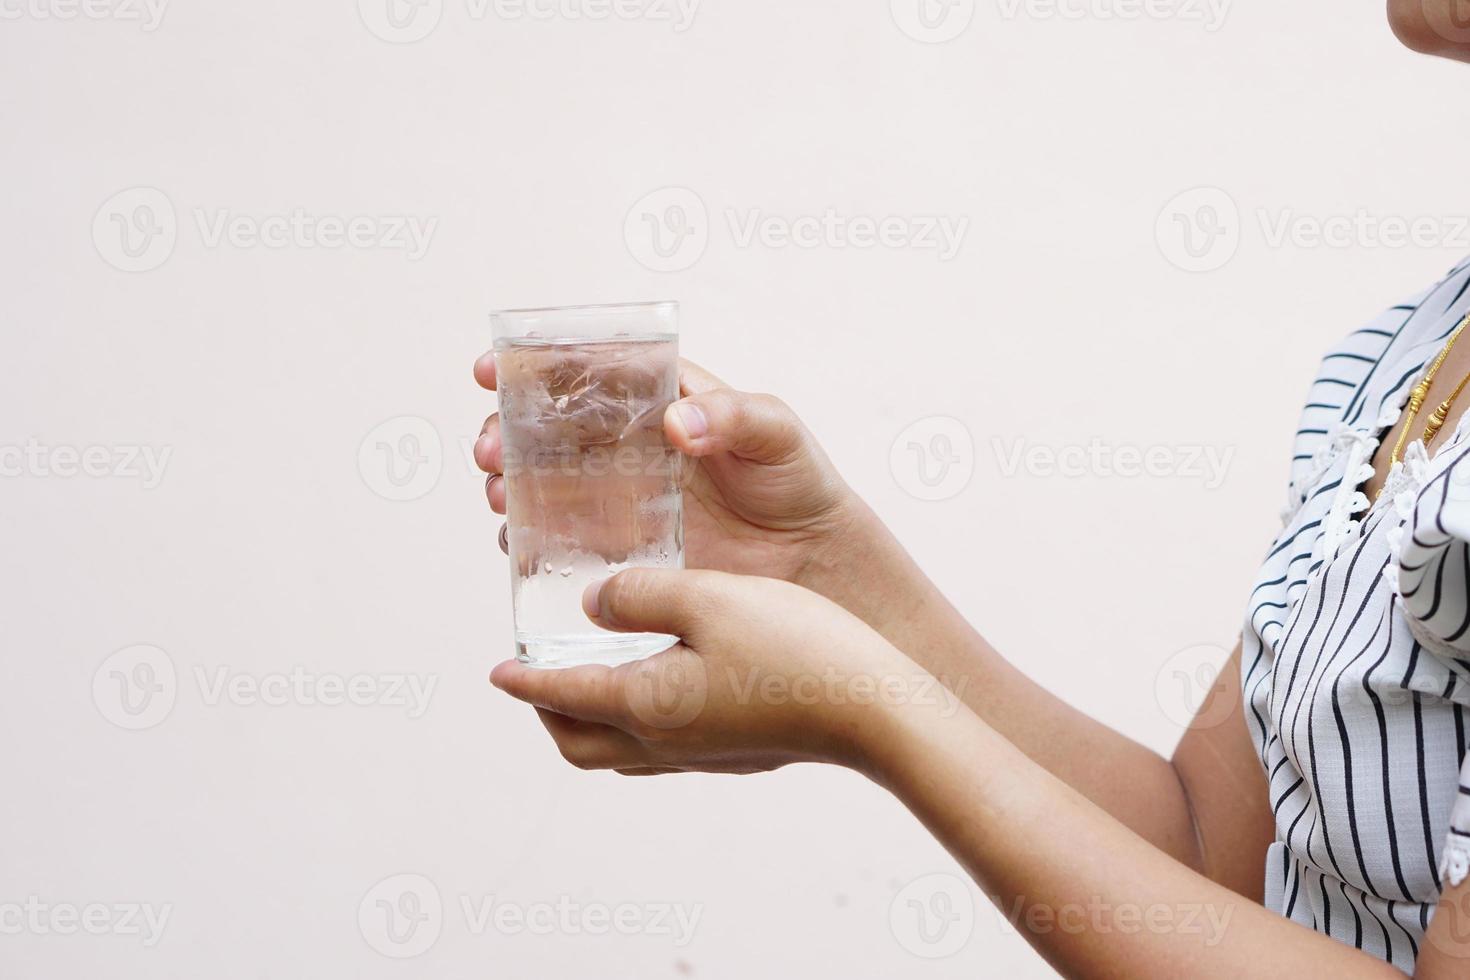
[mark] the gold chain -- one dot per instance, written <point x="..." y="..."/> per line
<point x="1437" y="418"/>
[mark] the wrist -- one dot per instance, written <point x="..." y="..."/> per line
<point x="853" y="539"/>
<point x="891" y="734"/>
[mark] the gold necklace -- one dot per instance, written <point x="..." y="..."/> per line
<point x="1437" y="418"/>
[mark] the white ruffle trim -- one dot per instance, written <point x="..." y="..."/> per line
<point x="1341" y="524"/>
<point x="1402" y="487"/>
<point x="1454" y="864"/>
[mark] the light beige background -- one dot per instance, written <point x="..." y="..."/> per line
<point x="269" y="543"/>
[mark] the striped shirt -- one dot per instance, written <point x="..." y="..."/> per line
<point x="1356" y="666"/>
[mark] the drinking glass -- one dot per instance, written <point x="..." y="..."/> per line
<point x="592" y="484"/>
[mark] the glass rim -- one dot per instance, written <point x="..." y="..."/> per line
<point x="588" y="308"/>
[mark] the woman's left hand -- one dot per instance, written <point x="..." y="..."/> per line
<point x="767" y="674"/>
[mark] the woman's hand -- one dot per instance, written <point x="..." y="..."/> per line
<point x="767" y="674"/>
<point x="762" y="498"/>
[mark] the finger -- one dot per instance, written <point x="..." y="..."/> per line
<point x="648" y="771"/>
<point x="485" y="370"/>
<point x="489" y="451"/>
<point x="495" y="492"/>
<point x="757" y="427"/>
<point x="587" y="693"/>
<point x="505" y="538"/>
<point x="695" y="380"/>
<point x="587" y="745"/>
<point x="652" y="600"/>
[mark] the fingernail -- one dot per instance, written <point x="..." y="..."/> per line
<point x="693" y="420"/>
<point x="592" y="600"/>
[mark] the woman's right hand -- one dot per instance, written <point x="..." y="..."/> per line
<point x="761" y="497"/>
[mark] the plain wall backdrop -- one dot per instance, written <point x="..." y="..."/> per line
<point x="311" y="517"/>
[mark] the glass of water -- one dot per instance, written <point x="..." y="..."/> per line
<point x="592" y="484"/>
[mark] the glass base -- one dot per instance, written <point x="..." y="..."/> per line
<point x="581" y="650"/>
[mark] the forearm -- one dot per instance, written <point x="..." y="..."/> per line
<point x="1129" y="781"/>
<point x="1092" y="896"/>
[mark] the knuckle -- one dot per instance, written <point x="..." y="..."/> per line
<point x="772" y="406"/>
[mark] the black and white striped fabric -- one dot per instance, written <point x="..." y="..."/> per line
<point x="1356" y="664"/>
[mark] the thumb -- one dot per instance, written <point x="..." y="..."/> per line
<point x="652" y="600"/>
<point x="757" y="427"/>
